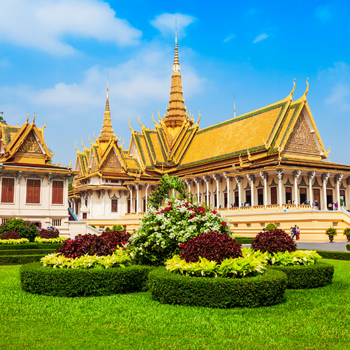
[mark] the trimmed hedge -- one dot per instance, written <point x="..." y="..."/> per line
<point x="42" y="252"/>
<point x="307" y="276"/>
<point x="19" y="259"/>
<point x="31" y="246"/>
<point x="244" y="240"/>
<point x="334" y="255"/>
<point x="262" y="290"/>
<point x="348" y="247"/>
<point x="37" y="279"/>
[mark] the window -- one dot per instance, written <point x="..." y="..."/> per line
<point x="33" y="191"/>
<point x="4" y="221"/>
<point x="288" y="195"/>
<point x="7" y="190"/>
<point x="84" y="215"/>
<point x="57" y="192"/>
<point x="56" y="222"/>
<point x="114" y="205"/>
<point x="342" y="198"/>
<point x="273" y="195"/>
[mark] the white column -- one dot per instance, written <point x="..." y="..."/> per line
<point x="348" y="192"/>
<point x="238" y="181"/>
<point x="228" y="189"/>
<point x="296" y="175"/>
<point x="196" y="180"/>
<point x="280" y="178"/>
<point x="338" y="179"/>
<point x="325" y="178"/>
<point x="251" y="179"/>
<point x="265" y="178"/>
<point x="206" y="180"/>
<point x="311" y="175"/>
<point x="188" y="183"/>
<point x="137" y="186"/>
<point x="146" y="188"/>
<point x="130" y="190"/>
<point x="216" y="177"/>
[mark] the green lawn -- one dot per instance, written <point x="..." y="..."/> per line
<point x="309" y="319"/>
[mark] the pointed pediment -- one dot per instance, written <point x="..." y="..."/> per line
<point x="31" y="146"/>
<point x="112" y="161"/>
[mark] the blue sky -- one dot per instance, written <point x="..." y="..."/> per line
<point x="55" y="54"/>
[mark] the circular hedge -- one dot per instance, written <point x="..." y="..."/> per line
<point x="262" y="290"/>
<point x="308" y="276"/>
<point x="37" y="279"/>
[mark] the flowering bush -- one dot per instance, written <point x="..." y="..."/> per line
<point x="273" y="242"/>
<point x="50" y="240"/>
<point x="10" y="235"/>
<point x="26" y="229"/>
<point x="88" y="244"/>
<point x="119" y="258"/>
<point x="239" y="267"/>
<point x="163" y="229"/>
<point x="48" y="233"/>
<point x="213" y="246"/>
<point x="14" y="241"/>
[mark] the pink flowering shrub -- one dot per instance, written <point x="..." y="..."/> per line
<point x="163" y="229"/>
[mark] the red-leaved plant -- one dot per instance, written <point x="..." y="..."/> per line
<point x="102" y="245"/>
<point x="273" y="242"/>
<point x="48" y="233"/>
<point x="10" y="235"/>
<point x="213" y="246"/>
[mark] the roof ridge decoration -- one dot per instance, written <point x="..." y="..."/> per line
<point x="107" y="131"/>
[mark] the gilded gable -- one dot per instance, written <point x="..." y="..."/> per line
<point x="112" y="162"/>
<point x="30" y="145"/>
<point x="301" y="140"/>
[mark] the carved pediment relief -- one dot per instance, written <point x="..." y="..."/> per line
<point x="30" y="145"/>
<point x="112" y="161"/>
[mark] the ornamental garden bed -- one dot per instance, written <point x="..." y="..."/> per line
<point x="221" y="292"/>
<point x="38" y="279"/>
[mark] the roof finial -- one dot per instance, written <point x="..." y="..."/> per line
<point x="176" y="65"/>
<point x="292" y="92"/>
<point x="27" y="117"/>
<point x="75" y="146"/>
<point x="34" y="118"/>
<point x="234" y="106"/>
<point x="107" y="100"/>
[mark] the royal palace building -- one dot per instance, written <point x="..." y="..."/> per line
<point x="269" y="165"/>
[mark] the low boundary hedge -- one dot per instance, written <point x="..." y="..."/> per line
<point x="262" y="290"/>
<point x="30" y="246"/>
<point x="42" y="252"/>
<point x="37" y="279"/>
<point x="308" y="276"/>
<point x="19" y="259"/>
<point x="348" y="247"/>
<point x="334" y="255"/>
<point x="244" y="240"/>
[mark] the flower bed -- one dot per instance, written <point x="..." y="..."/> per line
<point x="14" y="241"/>
<point x="221" y="292"/>
<point x="64" y="282"/>
<point x="307" y="276"/>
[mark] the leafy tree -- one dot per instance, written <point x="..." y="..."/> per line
<point x="2" y="120"/>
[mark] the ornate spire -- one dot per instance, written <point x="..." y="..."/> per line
<point x="176" y="114"/>
<point x="107" y="131"/>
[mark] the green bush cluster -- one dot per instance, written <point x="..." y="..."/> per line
<point x="271" y="227"/>
<point x="18" y="259"/>
<point x="221" y="292"/>
<point x="30" y="246"/>
<point x="50" y="240"/>
<point x="14" y="241"/>
<point x="348" y="247"/>
<point x="37" y="279"/>
<point x="26" y="229"/>
<point x="334" y="255"/>
<point x="307" y="276"/>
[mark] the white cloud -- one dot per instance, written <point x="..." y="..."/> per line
<point x="43" y="24"/>
<point x="324" y="13"/>
<point x="229" y="38"/>
<point x="339" y="97"/>
<point x="260" y="37"/>
<point x="165" y="23"/>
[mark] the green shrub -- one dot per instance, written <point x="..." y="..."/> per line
<point x="26" y="229"/>
<point x="348" y="247"/>
<point x="107" y="229"/>
<point x="346" y="231"/>
<point x="118" y="228"/>
<point x="93" y="226"/>
<point x="262" y="290"/>
<point x="37" y="279"/>
<point x="334" y="255"/>
<point x="31" y="246"/>
<point x="50" y="240"/>
<point x="244" y="240"/>
<point x="307" y="276"/>
<point x="331" y="231"/>
<point x="270" y="227"/>
<point x="14" y="241"/>
<point x="41" y="252"/>
<point x="19" y="259"/>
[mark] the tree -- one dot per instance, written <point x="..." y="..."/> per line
<point x="2" y="120"/>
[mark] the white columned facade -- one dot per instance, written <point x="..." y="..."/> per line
<point x="238" y="181"/>
<point x="216" y="177"/>
<point x="196" y="180"/>
<point x="296" y="175"/>
<point x="311" y="175"/>
<point x="325" y="178"/>
<point x="348" y="192"/>
<point x="146" y="192"/>
<point x="265" y="178"/>
<point x="206" y="180"/>
<point x="228" y="189"/>
<point x="338" y="179"/>
<point x="280" y="178"/>
<point x="188" y="183"/>
<point x="251" y="179"/>
<point x="130" y="191"/>
<point x="137" y="186"/>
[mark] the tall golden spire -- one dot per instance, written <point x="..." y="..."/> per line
<point x="176" y="114"/>
<point x="107" y="131"/>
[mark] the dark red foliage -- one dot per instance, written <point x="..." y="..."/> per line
<point x="11" y="235"/>
<point x="273" y="242"/>
<point x="48" y="234"/>
<point x="105" y="244"/>
<point x="213" y="246"/>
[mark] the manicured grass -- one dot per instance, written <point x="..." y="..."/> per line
<point x="308" y="319"/>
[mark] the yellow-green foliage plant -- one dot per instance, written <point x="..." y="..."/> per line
<point x="120" y="258"/>
<point x="14" y="241"/>
<point x="50" y="240"/>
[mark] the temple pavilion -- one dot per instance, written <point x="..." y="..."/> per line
<point x="254" y="167"/>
